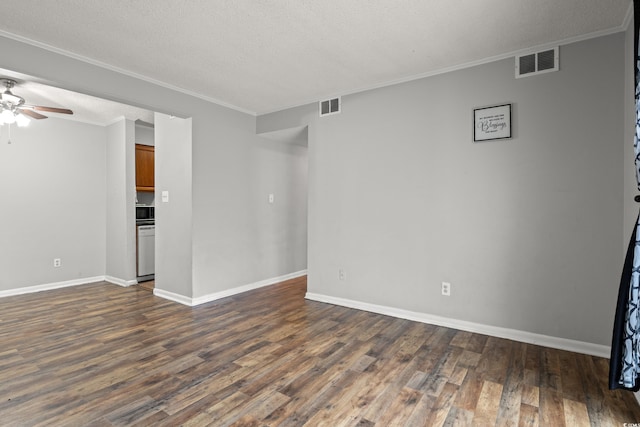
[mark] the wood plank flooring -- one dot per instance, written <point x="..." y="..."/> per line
<point x="102" y="355"/>
<point x="149" y="285"/>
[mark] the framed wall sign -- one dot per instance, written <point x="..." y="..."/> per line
<point x="492" y="123"/>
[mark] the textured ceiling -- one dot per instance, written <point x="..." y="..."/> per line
<point x="262" y="56"/>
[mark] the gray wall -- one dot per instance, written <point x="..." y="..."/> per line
<point x="173" y="167"/>
<point x="52" y="186"/>
<point x="239" y="238"/>
<point x="231" y="244"/>
<point x="144" y="135"/>
<point x="120" y="225"/>
<point x="528" y="231"/>
<point x="630" y="182"/>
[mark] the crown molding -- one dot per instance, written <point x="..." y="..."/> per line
<point x="119" y="70"/>
<point x="622" y="27"/>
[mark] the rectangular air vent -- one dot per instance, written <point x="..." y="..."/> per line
<point x="537" y="63"/>
<point x="330" y="106"/>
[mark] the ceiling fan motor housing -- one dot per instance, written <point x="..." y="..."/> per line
<point x="9" y="100"/>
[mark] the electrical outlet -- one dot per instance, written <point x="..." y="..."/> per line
<point x="446" y="289"/>
<point x="57" y="262"/>
<point x="342" y="275"/>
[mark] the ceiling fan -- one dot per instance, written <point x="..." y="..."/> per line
<point x="14" y="110"/>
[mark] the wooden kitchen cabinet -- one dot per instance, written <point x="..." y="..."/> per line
<point x="145" y="167"/>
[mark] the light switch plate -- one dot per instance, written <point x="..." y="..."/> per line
<point x="165" y="197"/>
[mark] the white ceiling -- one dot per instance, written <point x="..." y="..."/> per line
<point x="262" y="56"/>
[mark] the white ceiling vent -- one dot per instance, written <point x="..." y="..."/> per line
<point x="537" y="63"/>
<point x="330" y="106"/>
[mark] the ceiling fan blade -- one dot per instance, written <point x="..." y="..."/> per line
<point x="31" y="114"/>
<point x="52" y="109"/>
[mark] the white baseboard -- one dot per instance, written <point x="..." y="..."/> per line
<point x="495" y="331"/>
<point x="512" y="334"/>
<point x="227" y="292"/>
<point x="50" y="286"/>
<point x="173" y="297"/>
<point x="120" y="282"/>
<point x="240" y="289"/>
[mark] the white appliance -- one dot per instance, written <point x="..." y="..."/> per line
<point x="146" y="251"/>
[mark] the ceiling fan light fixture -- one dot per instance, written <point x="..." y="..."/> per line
<point x="7" y="116"/>
<point x="22" y="120"/>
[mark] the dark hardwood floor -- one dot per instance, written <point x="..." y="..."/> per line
<point x="102" y="355"/>
<point x="148" y="285"/>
